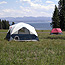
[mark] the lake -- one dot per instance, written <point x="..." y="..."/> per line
<point x="41" y="25"/>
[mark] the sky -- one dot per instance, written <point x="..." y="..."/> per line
<point x="33" y="8"/>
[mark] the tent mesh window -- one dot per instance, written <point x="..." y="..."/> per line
<point x="23" y="31"/>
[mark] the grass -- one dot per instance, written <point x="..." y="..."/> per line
<point x="3" y="30"/>
<point x="43" y="30"/>
<point x="49" y="50"/>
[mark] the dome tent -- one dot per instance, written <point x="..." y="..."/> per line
<point x="56" y="31"/>
<point x="22" y="32"/>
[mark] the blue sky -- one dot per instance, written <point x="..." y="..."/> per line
<point x="21" y="8"/>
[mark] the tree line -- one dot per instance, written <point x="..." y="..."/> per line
<point x="58" y="18"/>
<point x="5" y="24"/>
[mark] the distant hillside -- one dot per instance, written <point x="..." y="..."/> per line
<point x="27" y="19"/>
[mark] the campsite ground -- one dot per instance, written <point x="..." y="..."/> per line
<point x="49" y="50"/>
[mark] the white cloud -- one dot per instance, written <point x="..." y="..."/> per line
<point x="13" y="13"/>
<point x="57" y="0"/>
<point x="49" y="2"/>
<point x="38" y="10"/>
<point x="25" y="9"/>
<point x="3" y="2"/>
<point x="25" y="0"/>
<point x="37" y="1"/>
<point x="34" y="9"/>
<point x="29" y="1"/>
<point x="8" y="10"/>
<point x="40" y="6"/>
<point x="17" y="1"/>
<point x="23" y="12"/>
<point x="1" y="13"/>
<point x="46" y="14"/>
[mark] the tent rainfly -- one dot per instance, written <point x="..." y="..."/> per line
<point x="56" y="31"/>
<point x="22" y="32"/>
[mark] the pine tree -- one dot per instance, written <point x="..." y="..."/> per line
<point x="3" y="24"/>
<point x="0" y="24"/>
<point x="7" y="24"/>
<point x="13" y="23"/>
<point x="62" y="14"/>
<point x="55" y="19"/>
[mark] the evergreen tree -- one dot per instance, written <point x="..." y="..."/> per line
<point x="13" y="23"/>
<point x="55" y="19"/>
<point x="3" y="24"/>
<point x="0" y="24"/>
<point x="62" y="14"/>
<point x="7" y="24"/>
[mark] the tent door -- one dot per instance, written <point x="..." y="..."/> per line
<point x="23" y="31"/>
